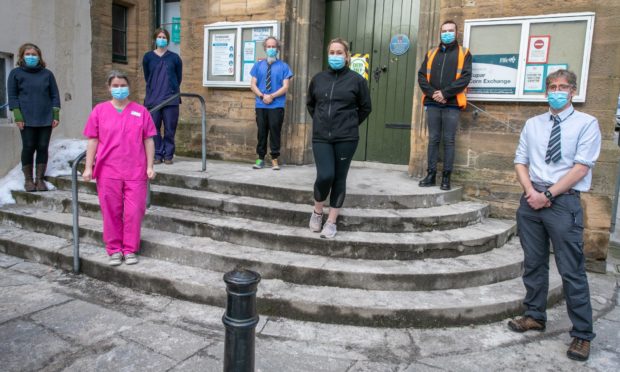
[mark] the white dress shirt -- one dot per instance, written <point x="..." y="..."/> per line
<point x="580" y="144"/>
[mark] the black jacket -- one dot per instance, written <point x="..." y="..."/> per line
<point x="33" y="90"/>
<point x="443" y="75"/>
<point x="338" y="101"/>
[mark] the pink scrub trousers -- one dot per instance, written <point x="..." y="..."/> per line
<point x="123" y="204"/>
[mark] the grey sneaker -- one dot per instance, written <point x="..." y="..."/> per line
<point x="131" y="259"/>
<point x="116" y="259"/>
<point x="316" y="220"/>
<point x="329" y="230"/>
<point x="259" y="164"/>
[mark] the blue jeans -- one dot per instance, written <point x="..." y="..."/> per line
<point x="441" y="120"/>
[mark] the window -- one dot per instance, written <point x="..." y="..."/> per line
<point x="231" y="49"/>
<point x="119" y="33"/>
<point x="513" y="56"/>
<point x="170" y="19"/>
<point x="5" y="67"/>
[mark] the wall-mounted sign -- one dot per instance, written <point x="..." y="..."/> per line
<point x="231" y="49"/>
<point x="223" y="54"/>
<point x="399" y="44"/>
<point x="534" y="78"/>
<point x="494" y="74"/>
<point x="360" y="63"/>
<point x="538" y="49"/>
<point x="175" y="36"/>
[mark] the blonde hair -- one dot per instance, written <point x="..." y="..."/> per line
<point x="345" y="44"/>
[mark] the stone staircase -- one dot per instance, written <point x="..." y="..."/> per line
<point x="404" y="256"/>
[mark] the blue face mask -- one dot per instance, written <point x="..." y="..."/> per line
<point x="335" y="62"/>
<point x="272" y="52"/>
<point x="31" y="61"/>
<point x="161" y="43"/>
<point x="447" y="37"/>
<point x="120" y="93"/>
<point x="557" y="100"/>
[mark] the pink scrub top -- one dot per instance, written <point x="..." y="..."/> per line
<point x="120" y="153"/>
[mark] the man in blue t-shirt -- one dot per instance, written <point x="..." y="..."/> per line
<point x="270" y="80"/>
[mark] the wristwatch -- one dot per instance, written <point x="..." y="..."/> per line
<point x="549" y="195"/>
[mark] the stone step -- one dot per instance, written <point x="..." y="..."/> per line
<point x="294" y="184"/>
<point x="482" y="237"/>
<point x="275" y="297"/>
<point x="431" y="274"/>
<point x="351" y="219"/>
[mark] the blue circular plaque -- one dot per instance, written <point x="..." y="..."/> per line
<point x="399" y="44"/>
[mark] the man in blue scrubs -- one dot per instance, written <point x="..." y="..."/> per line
<point x="270" y="81"/>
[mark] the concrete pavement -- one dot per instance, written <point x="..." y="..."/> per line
<point x="51" y="320"/>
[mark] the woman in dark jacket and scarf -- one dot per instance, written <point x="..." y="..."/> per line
<point x="338" y="101"/>
<point x="35" y="102"/>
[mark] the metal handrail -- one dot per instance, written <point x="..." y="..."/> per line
<point x="80" y="157"/>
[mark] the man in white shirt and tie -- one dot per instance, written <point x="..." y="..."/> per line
<point x="554" y="160"/>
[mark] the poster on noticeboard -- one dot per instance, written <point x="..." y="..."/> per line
<point x="538" y="49"/>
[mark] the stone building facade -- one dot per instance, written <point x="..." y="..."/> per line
<point x="62" y="30"/>
<point x="485" y="144"/>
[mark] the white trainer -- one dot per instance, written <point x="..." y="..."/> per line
<point x="131" y="259"/>
<point x="329" y="230"/>
<point x="115" y="259"/>
<point x="316" y="220"/>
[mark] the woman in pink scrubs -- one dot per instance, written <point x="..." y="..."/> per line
<point x="119" y="155"/>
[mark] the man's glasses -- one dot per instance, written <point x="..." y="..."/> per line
<point x="560" y="87"/>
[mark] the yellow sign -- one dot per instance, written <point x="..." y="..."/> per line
<point x="360" y="63"/>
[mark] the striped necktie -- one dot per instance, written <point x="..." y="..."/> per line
<point x="268" y="83"/>
<point x="554" y="148"/>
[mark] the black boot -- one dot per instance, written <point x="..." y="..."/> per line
<point x="445" y="180"/>
<point x="429" y="180"/>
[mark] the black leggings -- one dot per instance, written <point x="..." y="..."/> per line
<point x="332" y="166"/>
<point x="35" y="139"/>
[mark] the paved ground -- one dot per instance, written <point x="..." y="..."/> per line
<point x="51" y="320"/>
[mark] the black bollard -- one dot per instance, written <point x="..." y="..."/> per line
<point x="240" y="320"/>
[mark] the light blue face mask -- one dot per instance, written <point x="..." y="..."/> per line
<point x="31" y="61"/>
<point x="335" y="62"/>
<point x="120" y="93"/>
<point x="161" y="43"/>
<point x="272" y="52"/>
<point x="557" y="100"/>
<point x="448" y="37"/>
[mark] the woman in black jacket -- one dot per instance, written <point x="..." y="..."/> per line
<point x="338" y="101"/>
<point x="35" y="102"/>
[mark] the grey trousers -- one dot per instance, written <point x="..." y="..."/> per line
<point x="441" y="121"/>
<point x="562" y="223"/>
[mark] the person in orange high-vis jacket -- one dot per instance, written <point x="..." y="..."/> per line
<point x="443" y="78"/>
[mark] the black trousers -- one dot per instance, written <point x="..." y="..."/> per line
<point x="35" y="139"/>
<point x="442" y="123"/>
<point x="269" y="122"/>
<point x="562" y="224"/>
<point x="332" y="166"/>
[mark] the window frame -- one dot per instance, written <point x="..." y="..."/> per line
<point x="238" y="28"/>
<point x="120" y="58"/>
<point x="526" y="23"/>
<point x="8" y="65"/>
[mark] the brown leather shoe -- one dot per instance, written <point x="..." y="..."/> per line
<point x="168" y="161"/>
<point x="579" y="349"/>
<point x="526" y="323"/>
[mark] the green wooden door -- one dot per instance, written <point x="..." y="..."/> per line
<point x="369" y="25"/>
